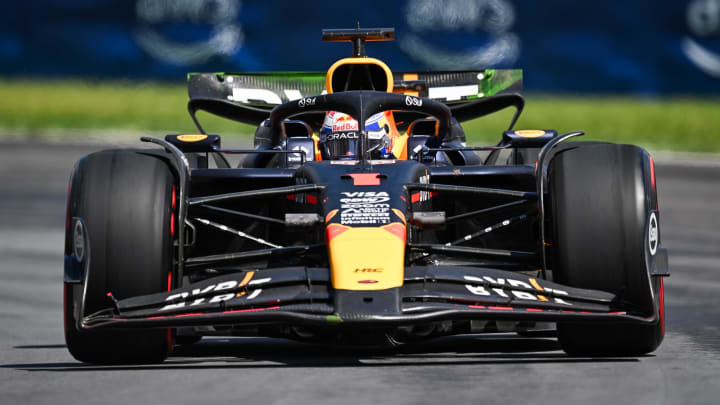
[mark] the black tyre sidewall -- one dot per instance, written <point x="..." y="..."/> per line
<point x="124" y="198"/>
<point x="602" y="197"/>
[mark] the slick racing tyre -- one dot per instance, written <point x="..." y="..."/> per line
<point x="604" y="200"/>
<point x="124" y="198"/>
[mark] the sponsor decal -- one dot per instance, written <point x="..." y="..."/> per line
<point x="161" y="22"/>
<point x="699" y="46"/>
<point x="345" y="126"/>
<point x="302" y="154"/>
<point x="486" y="282"/>
<point x="490" y="19"/>
<point x="79" y="240"/>
<point x="244" y="95"/>
<point x="530" y="133"/>
<point x="369" y="270"/>
<point x="413" y="101"/>
<point x="274" y="97"/>
<point x="653" y="237"/>
<point x="453" y="93"/>
<point x="223" y="289"/>
<point x="306" y="102"/>
<point x="365" y="208"/>
<point x="342" y="122"/>
<point x="192" y="138"/>
<point x="340" y="135"/>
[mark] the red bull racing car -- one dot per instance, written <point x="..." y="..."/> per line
<point x="361" y="215"/>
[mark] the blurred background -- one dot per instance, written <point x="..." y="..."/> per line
<point x="645" y="72"/>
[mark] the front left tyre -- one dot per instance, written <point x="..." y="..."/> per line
<point x="125" y="200"/>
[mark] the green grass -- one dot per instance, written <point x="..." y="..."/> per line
<point x="680" y="124"/>
<point x="39" y="108"/>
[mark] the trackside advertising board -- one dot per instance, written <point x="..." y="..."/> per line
<point x="610" y="46"/>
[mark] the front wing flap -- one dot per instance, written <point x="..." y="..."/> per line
<point x="301" y="295"/>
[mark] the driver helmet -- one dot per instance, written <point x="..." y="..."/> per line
<point x="340" y="136"/>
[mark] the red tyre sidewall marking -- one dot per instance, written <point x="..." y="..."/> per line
<point x="169" y="281"/>
<point x="65" y="288"/>
<point x="661" y="292"/>
<point x="662" y="308"/>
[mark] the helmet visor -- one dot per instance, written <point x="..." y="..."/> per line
<point x="340" y="145"/>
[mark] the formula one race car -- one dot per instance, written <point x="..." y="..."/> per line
<point x="361" y="216"/>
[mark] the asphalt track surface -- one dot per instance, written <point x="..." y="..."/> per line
<point x="35" y="367"/>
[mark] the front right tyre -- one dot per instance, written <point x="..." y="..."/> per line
<point x="603" y="201"/>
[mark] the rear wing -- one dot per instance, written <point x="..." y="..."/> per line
<point x="249" y="97"/>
